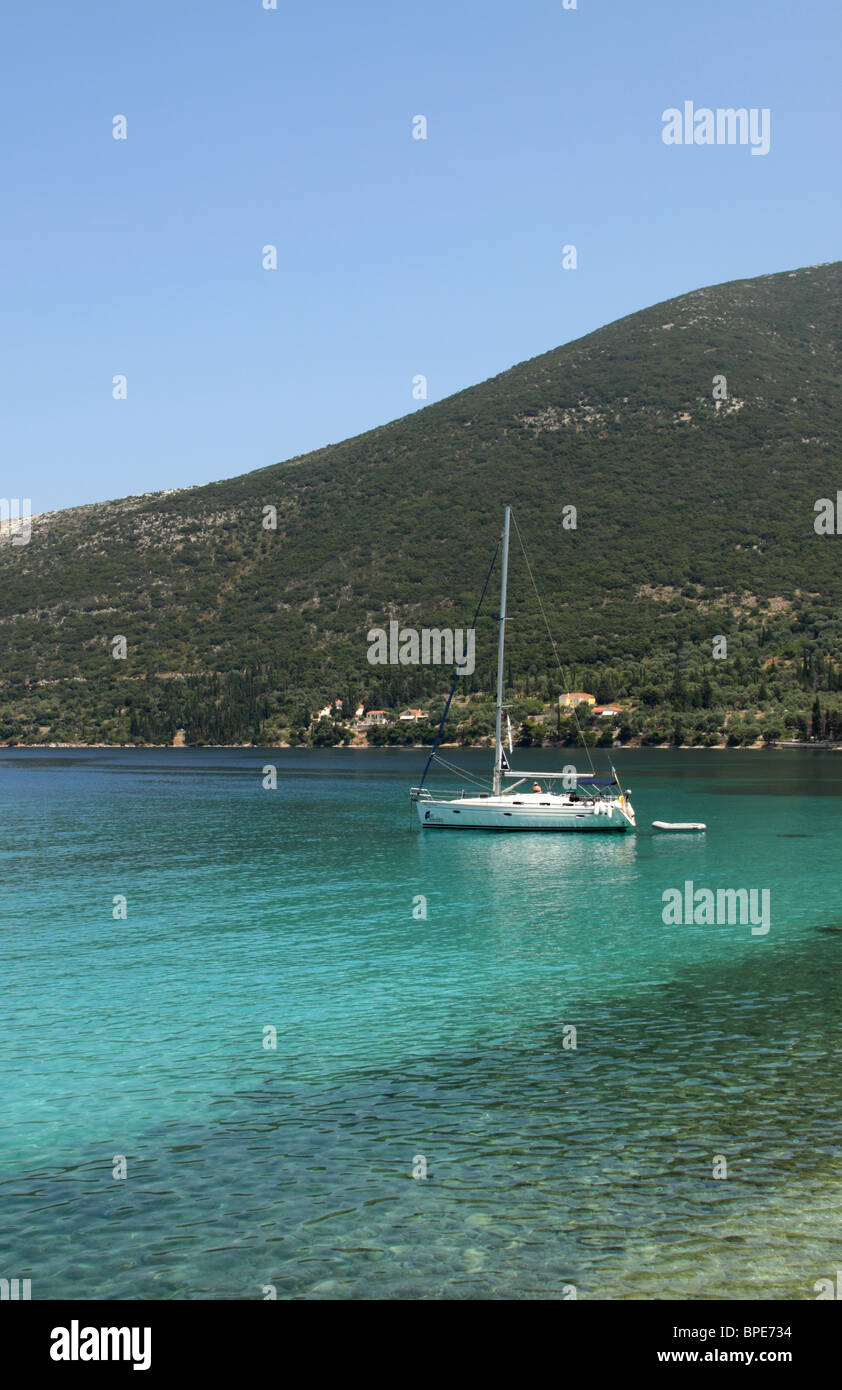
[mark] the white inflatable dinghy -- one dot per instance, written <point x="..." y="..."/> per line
<point x="679" y="825"/>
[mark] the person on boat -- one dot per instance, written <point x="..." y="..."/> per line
<point x="536" y="786"/>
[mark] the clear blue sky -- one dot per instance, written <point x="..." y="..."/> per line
<point x="396" y="256"/>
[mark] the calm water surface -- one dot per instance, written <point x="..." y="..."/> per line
<point x="400" y="1037"/>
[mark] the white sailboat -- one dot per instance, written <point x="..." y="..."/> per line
<point x="530" y="800"/>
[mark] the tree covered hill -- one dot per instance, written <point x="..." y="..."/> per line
<point x="694" y="510"/>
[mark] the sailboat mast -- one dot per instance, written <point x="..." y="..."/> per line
<point x="501" y="641"/>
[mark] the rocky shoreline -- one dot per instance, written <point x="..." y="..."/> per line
<point x="367" y="747"/>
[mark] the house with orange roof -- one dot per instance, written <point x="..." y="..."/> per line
<point x="570" y="698"/>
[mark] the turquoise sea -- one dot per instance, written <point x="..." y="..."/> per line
<point x="406" y="1042"/>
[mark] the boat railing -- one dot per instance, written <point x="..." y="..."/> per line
<point x="442" y="794"/>
<point x="592" y="795"/>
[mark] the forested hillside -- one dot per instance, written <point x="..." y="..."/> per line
<point x="695" y="516"/>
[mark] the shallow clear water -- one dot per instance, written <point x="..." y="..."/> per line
<point x="398" y="1036"/>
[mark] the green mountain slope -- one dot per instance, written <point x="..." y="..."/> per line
<point x="695" y="518"/>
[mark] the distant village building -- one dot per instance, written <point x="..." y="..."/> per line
<point x="412" y="716"/>
<point x="331" y="711"/>
<point x="606" y="711"/>
<point x="570" y="698"/>
<point x="359" y="711"/>
<point x="377" y="716"/>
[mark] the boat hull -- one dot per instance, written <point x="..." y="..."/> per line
<point x="502" y="815"/>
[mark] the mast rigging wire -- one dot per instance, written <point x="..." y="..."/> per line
<point x="434" y="755"/>
<point x="552" y="641"/>
<point x="456" y="673"/>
